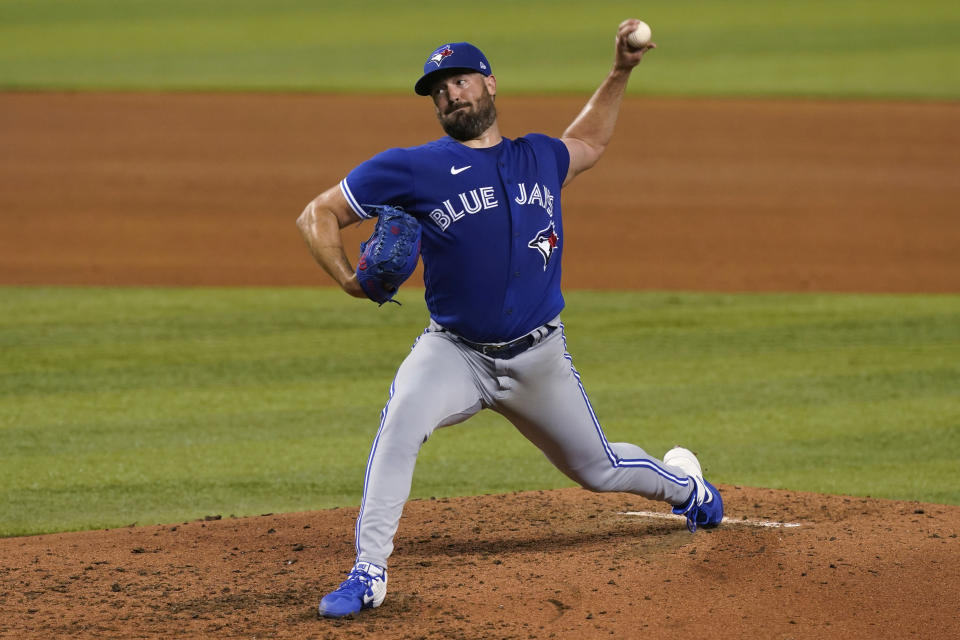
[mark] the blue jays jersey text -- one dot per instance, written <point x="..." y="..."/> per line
<point x="492" y="227"/>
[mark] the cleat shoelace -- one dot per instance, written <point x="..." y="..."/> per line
<point x="357" y="583"/>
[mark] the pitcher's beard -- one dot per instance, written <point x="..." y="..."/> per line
<point x="466" y="124"/>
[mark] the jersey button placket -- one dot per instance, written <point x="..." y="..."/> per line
<point x="515" y="289"/>
<point x="511" y="292"/>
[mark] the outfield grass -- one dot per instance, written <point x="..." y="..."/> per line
<point x="159" y="405"/>
<point x="847" y="48"/>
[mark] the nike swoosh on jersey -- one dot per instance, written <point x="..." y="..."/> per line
<point x="454" y="170"/>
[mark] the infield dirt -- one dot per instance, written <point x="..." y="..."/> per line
<point x="692" y="194"/>
<point x="140" y="189"/>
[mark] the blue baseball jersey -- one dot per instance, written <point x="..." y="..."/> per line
<point x="492" y="229"/>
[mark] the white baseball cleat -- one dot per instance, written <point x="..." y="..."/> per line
<point x="704" y="508"/>
<point x="364" y="588"/>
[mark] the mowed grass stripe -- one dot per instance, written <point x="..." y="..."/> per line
<point x="850" y="48"/>
<point x="159" y="405"/>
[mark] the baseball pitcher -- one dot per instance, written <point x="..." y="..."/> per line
<point x="484" y="212"/>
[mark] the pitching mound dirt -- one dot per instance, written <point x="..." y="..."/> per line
<point x="552" y="564"/>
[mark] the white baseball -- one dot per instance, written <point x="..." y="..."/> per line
<point x="640" y="37"/>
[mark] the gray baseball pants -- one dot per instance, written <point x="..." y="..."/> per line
<point x="443" y="382"/>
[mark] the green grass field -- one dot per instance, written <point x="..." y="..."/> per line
<point x="158" y="405"/>
<point x="835" y="48"/>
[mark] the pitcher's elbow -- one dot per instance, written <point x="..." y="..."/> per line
<point x="306" y="218"/>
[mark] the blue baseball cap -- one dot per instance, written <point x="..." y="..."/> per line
<point x="461" y="56"/>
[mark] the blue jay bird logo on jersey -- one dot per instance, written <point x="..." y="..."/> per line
<point x="545" y="242"/>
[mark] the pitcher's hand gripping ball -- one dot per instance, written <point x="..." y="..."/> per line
<point x="640" y="37"/>
<point x="390" y="255"/>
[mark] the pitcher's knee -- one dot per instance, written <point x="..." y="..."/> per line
<point x="595" y="481"/>
<point x="402" y="439"/>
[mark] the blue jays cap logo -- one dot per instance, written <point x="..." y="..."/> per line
<point x="441" y="54"/>
<point x="454" y="55"/>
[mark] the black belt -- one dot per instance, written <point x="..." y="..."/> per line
<point x="508" y="350"/>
